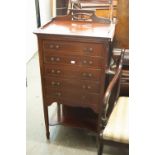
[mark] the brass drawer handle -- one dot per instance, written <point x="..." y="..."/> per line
<point x="87" y="74"/>
<point x="90" y="75"/>
<point x="57" y="59"/>
<point x="52" y="58"/>
<point x="55" y="71"/>
<point x="54" y="46"/>
<point x="84" y="61"/>
<point x="58" y="71"/>
<point x="84" y="87"/>
<point x="56" y="95"/>
<point x="58" y="83"/>
<point x="55" y="83"/>
<point x="88" y="49"/>
<point x="89" y="87"/>
<point x="90" y="62"/>
<point x="57" y="46"/>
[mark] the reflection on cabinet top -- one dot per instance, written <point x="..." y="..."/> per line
<point x="66" y="26"/>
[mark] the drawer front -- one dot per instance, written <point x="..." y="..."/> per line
<point x="73" y="72"/>
<point x="74" y="48"/>
<point x="65" y="84"/>
<point x="79" y="98"/>
<point x="94" y="62"/>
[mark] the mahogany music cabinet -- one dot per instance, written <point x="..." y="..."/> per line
<point x="74" y="54"/>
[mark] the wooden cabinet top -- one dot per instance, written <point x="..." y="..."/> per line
<point x="66" y="26"/>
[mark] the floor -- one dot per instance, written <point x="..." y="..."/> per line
<point x="63" y="140"/>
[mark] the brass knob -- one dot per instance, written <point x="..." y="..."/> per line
<point x="90" y="62"/>
<point x="53" y="83"/>
<point x="90" y="75"/>
<point x="52" y="58"/>
<point x="84" y="61"/>
<point x="89" y="87"/>
<point x="58" y="83"/>
<point x="51" y="46"/>
<point x="56" y="94"/>
<point x="58" y="71"/>
<point x="90" y="49"/>
<point x="57" y="46"/>
<point x="57" y="59"/>
<point x="53" y="71"/>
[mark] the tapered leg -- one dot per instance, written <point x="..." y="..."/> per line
<point x="46" y="121"/>
<point x="100" y="147"/>
<point x="58" y="111"/>
<point x="99" y="138"/>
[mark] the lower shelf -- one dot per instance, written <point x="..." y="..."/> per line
<point x="83" y="118"/>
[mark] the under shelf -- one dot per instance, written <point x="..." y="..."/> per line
<point x="83" y="118"/>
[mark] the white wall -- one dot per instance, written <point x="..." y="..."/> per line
<point x="45" y="13"/>
<point x="31" y="42"/>
<point x="45" y="10"/>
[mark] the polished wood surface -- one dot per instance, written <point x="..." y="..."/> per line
<point x="76" y="60"/>
<point x="122" y="26"/>
<point x="66" y="84"/>
<point x="73" y="72"/>
<point x="58" y="26"/>
<point x="73" y="48"/>
<point x="78" y="29"/>
<point x="74" y="56"/>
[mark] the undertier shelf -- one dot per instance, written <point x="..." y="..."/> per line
<point x="77" y="117"/>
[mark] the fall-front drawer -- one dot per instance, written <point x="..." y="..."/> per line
<point x="68" y="84"/>
<point x="95" y="62"/>
<point x="74" y="48"/>
<point x="55" y="95"/>
<point x="73" y="72"/>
